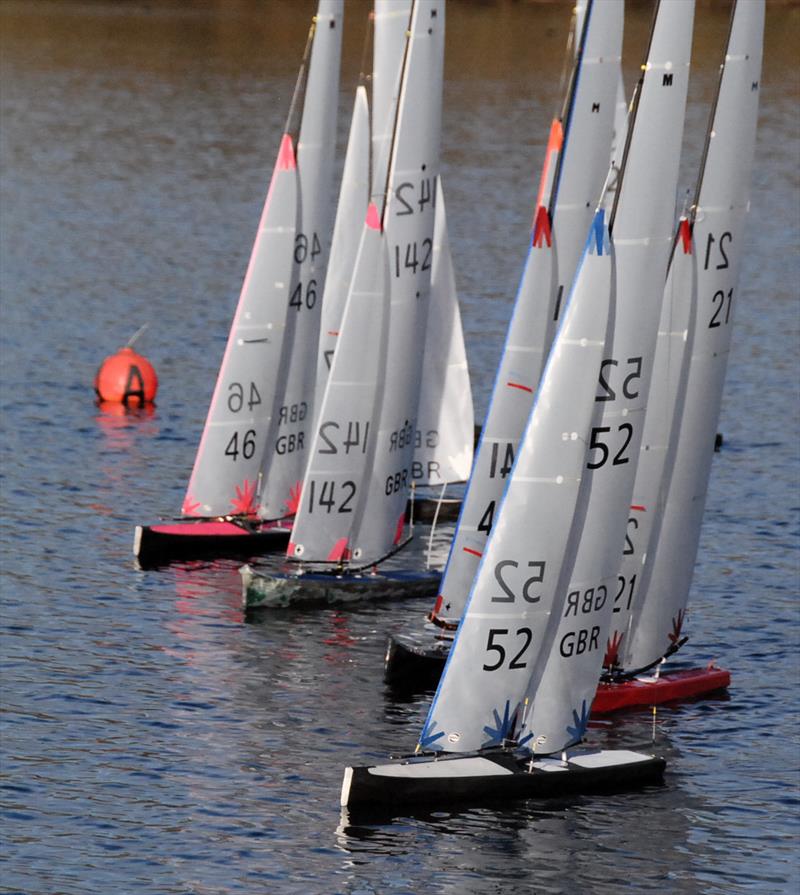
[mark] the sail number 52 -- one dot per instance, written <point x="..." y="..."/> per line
<point x="523" y="635"/>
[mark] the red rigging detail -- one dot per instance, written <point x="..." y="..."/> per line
<point x="398" y="535"/>
<point x="286" y="156"/>
<point x="638" y="507"/>
<point x="373" y="218"/>
<point x="520" y="386"/>
<point x="685" y="233"/>
<point x="612" y="650"/>
<point x="339" y="553"/>
<point x="677" y="624"/>
<point x="541" y="229"/>
<point x="472" y="552"/>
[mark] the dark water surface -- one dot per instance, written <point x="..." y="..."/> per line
<point x="153" y="741"/>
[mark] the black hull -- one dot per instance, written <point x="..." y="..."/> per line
<point x="159" y="545"/>
<point x="412" y="667"/>
<point x="495" y="777"/>
<point x="276" y="590"/>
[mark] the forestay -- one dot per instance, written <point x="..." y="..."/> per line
<point x="717" y="222"/>
<point x="641" y="231"/>
<point x="572" y="179"/>
<point x="249" y="419"/>
<point x="354" y="495"/>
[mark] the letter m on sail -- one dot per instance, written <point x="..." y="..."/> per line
<point x="666" y="80"/>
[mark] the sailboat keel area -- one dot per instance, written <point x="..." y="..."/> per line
<point x="497" y="776"/>
<point x="411" y="666"/>
<point x="274" y="590"/>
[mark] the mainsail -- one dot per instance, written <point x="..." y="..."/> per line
<point x="445" y="423"/>
<point x="684" y="405"/>
<point x="640" y="227"/>
<point x="524" y="663"/>
<point x="357" y="481"/>
<point x="252" y="449"/>
<point x="572" y="179"/>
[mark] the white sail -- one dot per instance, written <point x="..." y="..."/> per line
<point x="641" y="229"/>
<point x="445" y="433"/>
<point x="667" y="391"/>
<point x="246" y="410"/>
<point x="717" y="223"/>
<point x="285" y="452"/>
<point x="356" y="485"/>
<point x="572" y="178"/>
<point x="480" y="699"/>
<point x="350" y="214"/>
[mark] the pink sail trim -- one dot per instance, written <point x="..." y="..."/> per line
<point x="373" y="218"/>
<point x="398" y="535"/>
<point x="190" y="506"/>
<point x="285" y="162"/>
<point x="286" y="156"/>
<point x="339" y="552"/>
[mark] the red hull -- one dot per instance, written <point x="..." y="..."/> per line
<point x="666" y="688"/>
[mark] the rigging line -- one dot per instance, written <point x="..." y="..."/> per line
<point x="400" y="98"/>
<point x="634" y="108"/>
<point x="295" y="116"/>
<point x="365" y="78"/>
<point x="569" y="100"/>
<point x="433" y="525"/>
<point x="712" y="116"/>
<point x="611" y="677"/>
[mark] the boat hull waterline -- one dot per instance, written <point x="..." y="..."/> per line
<point x="210" y="538"/>
<point x="275" y="590"/>
<point x="496" y="776"/>
<point x="413" y="667"/>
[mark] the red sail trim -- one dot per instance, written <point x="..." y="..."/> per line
<point x="473" y="552"/>
<point x="519" y="385"/>
<point x="685" y="233"/>
<point x="339" y="553"/>
<point x="542" y="231"/>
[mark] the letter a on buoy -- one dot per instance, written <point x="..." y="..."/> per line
<point x="127" y="378"/>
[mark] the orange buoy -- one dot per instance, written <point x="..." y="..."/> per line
<point x="126" y="378"/>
